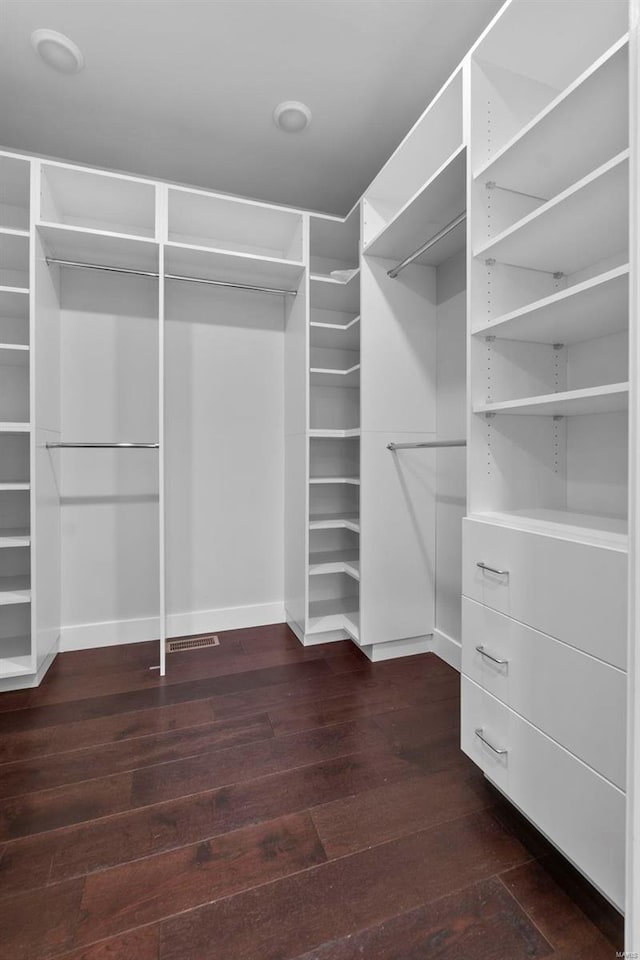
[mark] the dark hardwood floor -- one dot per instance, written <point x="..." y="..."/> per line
<point x="267" y="802"/>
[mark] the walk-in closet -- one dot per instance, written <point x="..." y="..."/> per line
<point x="319" y="466"/>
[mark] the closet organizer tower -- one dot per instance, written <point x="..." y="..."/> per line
<point x="407" y="427"/>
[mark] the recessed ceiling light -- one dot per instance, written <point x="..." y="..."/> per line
<point x="57" y="51"/>
<point x="292" y="116"/>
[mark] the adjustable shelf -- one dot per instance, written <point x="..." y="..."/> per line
<point x="14" y="538"/>
<point x="14" y="590"/>
<point x="14" y="353"/>
<point x="610" y="398"/>
<point x="594" y="529"/>
<point x="117" y="250"/>
<point x="318" y="434"/>
<point x="231" y="266"/>
<point x="327" y="377"/>
<point x="335" y="561"/>
<point x="352" y="481"/>
<point x="332" y="614"/>
<point x="329" y="294"/>
<point x="564" y="131"/>
<point x="7" y="487"/>
<point x="336" y="336"/>
<point x="586" y="223"/>
<point x="595" y="308"/>
<point x="335" y="521"/>
<point x="435" y="205"/>
<point x="14" y="427"/>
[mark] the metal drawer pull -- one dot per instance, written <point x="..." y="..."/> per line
<point x="481" y="650"/>
<point x="479" y="735"/>
<point x="501" y="573"/>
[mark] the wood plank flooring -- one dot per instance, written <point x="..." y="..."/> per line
<point x="266" y="801"/>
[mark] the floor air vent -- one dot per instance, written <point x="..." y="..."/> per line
<point x="197" y="643"/>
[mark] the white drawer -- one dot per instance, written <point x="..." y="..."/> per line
<point x="573" y="591"/>
<point x="579" y="811"/>
<point x="576" y="700"/>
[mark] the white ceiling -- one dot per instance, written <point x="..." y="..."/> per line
<point x="184" y="90"/>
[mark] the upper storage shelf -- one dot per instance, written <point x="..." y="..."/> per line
<point x="334" y="244"/>
<point x="436" y="136"/>
<point x="440" y="201"/>
<point x="237" y="226"/>
<point x="95" y="246"/>
<point x="534" y="52"/>
<point x="98" y="201"/>
<point x="558" y="146"/>
<point x="14" y="193"/>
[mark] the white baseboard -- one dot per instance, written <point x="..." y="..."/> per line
<point x="448" y="649"/>
<point x="397" y="648"/>
<point x="84" y="636"/>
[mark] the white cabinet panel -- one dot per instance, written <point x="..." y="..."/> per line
<point x="579" y="811"/>
<point x="576" y="700"/>
<point x="397" y="542"/>
<point x="573" y="591"/>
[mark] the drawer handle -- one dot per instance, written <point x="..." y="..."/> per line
<point x="480" y="736"/>
<point x="484" y="566"/>
<point x="481" y="650"/>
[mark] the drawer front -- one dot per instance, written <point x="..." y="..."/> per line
<point x="582" y="814"/>
<point x="572" y="591"/>
<point x="576" y="700"/>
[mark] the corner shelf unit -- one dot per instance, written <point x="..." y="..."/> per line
<point x="17" y="655"/>
<point x="333" y="430"/>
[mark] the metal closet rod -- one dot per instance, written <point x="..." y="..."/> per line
<point x="427" y="444"/>
<point x="170" y="276"/>
<point x="105" y="446"/>
<point x="426" y="246"/>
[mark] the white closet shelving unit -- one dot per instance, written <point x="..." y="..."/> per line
<point x="16" y="655"/>
<point x="545" y="540"/>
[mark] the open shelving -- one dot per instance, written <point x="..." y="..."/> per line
<point x="334" y="331"/>
<point x="334" y="244"/>
<point x="205" y="220"/>
<point x="585" y="224"/>
<point x="335" y="377"/>
<point x="436" y="204"/>
<point x="326" y="562"/>
<point x="335" y="295"/>
<point x="335" y="521"/>
<point x="562" y="133"/>
<point x="87" y="245"/>
<point x="14" y="193"/>
<point x="329" y="614"/>
<point x="231" y="266"/>
<point x="435" y="138"/>
<point x="98" y="201"/>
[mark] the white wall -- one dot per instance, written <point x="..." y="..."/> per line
<point x="224" y="409"/>
<point x="451" y="425"/>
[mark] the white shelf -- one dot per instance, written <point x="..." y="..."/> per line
<point x="329" y="294"/>
<point x="120" y="250"/>
<point x="336" y="336"/>
<point x="15" y="666"/>
<point x="354" y="481"/>
<point x="20" y="292"/>
<point x="334" y="434"/>
<point x="586" y="223"/>
<point x="11" y="232"/>
<point x="435" y="205"/>
<point x="326" y="615"/>
<point x="15" y="353"/>
<point x="209" y="263"/>
<point x="595" y="308"/>
<point x="335" y="521"/>
<point x="14" y="590"/>
<point x="564" y="130"/>
<point x="4" y="487"/>
<point x="12" y="427"/>
<point x="335" y="561"/>
<point x="610" y="398"/>
<point x="14" y="538"/>
<point x="330" y="377"/>
<point x="568" y="524"/>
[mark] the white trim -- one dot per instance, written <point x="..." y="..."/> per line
<point x="84" y="636"/>
<point x="392" y="649"/>
<point x="448" y="649"/>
